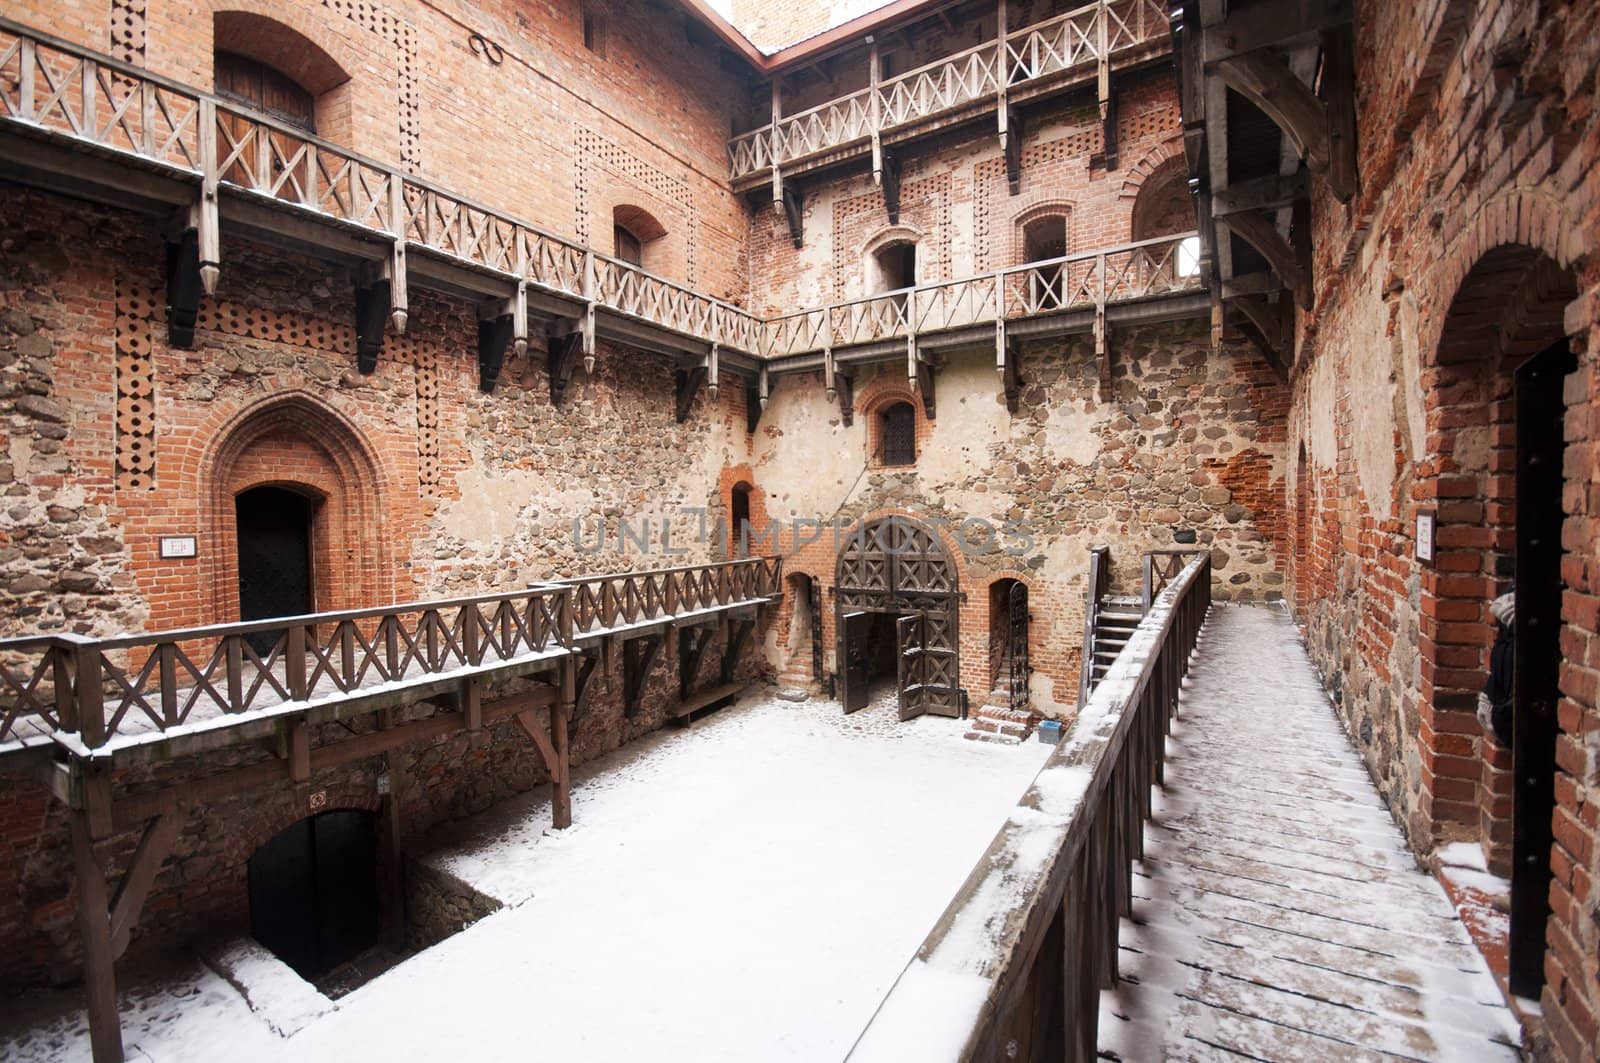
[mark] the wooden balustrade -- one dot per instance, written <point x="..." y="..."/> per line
<point x="1086" y="39"/>
<point x="100" y="688"/>
<point x="1019" y="958"/>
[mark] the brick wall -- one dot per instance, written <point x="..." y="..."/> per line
<point x="1460" y="255"/>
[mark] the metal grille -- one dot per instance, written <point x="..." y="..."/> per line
<point x="899" y="435"/>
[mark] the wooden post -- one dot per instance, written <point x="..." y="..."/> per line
<point x="99" y="966"/>
<point x="91" y="695"/>
<point x="777" y="115"/>
<point x="875" y="119"/>
<point x="560" y="720"/>
<point x="1001" y="68"/>
<point x="207" y="222"/>
<point x="399" y="304"/>
<point x="391" y="880"/>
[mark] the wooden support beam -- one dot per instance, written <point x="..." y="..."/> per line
<point x="1267" y="82"/>
<point x="565" y="350"/>
<point x="693" y="651"/>
<point x="891" y="187"/>
<point x="737" y="635"/>
<point x="99" y="958"/>
<point x="372" y="314"/>
<point x="128" y="902"/>
<point x="875" y="108"/>
<point x="1338" y="88"/>
<point x="1282" y="22"/>
<point x="586" y="669"/>
<point x="1011" y="372"/>
<point x="794" y="212"/>
<point x="299" y="751"/>
<point x="687" y="384"/>
<point x="1108" y="128"/>
<point x="1259" y="230"/>
<point x="391" y="847"/>
<point x="1264" y="326"/>
<point x="638" y="657"/>
<point x="1263" y="193"/>
<point x="845" y="383"/>
<point x="207" y="223"/>
<point x="561" y="736"/>
<point x="472" y="704"/>
<point x="714" y="372"/>
<point x="183" y="287"/>
<point x="494" y="336"/>
<point x="1013" y="155"/>
<point x="926" y="371"/>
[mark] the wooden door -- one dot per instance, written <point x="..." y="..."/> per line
<point x="855" y="673"/>
<point x="1537" y="640"/>
<point x="314" y="891"/>
<point x="911" y="657"/>
<point x="274" y="540"/>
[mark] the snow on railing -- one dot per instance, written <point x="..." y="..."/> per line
<point x="1036" y="921"/>
<point x="1083" y="39"/>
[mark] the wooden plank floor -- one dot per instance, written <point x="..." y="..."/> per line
<point x="1277" y="913"/>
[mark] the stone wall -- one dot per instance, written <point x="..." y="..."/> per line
<point x="1461" y="255"/>
<point x="1186" y="440"/>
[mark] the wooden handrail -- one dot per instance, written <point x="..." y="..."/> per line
<point x="1035" y="924"/>
<point x="100" y="687"/>
<point x="1095" y="587"/>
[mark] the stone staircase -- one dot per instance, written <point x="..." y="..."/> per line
<point x="794" y="682"/>
<point x="1114" y="621"/>
<point x="995" y="721"/>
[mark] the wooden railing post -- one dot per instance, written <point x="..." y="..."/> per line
<point x="61" y="667"/>
<point x="91" y="695"/>
<point x="294" y="661"/>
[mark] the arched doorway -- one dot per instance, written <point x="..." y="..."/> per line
<point x="804" y="642"/>
<point x="276" y="556"/>
<point x="739" y="521"/>
<point x="314" y="891"/>
<point x="1498" y="411"/>
<point x="897" y="617"/>
<point x="1008" y="643"/>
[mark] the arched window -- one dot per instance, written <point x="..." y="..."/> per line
<point x="897" y="433"/>
<point x="896" y="266"/>
<point x="1045" y="238"/>
<point x="1163" y="207"/>
<point x="637" y="236"/>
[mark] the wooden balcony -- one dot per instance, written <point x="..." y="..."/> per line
<point x="131" y="697"/>
<point x="1080" y="47"/>
<point x="82" y="123"/>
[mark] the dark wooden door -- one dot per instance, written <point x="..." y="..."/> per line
<point x="1537" y="635"/>
<point x="814" y="590"/>
<point x="314" y="891"/>
<point x="1017" y="647"/>
<point x="912" y="660"/>
<point x="855" y="666"/>
<point x="274" y="529"/>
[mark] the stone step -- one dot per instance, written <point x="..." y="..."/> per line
<point x="997" y="739"/>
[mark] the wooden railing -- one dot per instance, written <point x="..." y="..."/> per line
<point x="55" y="87"/>
<point x="1086" y="39"/>
<point x="1161" y="567"/>
<point x="1019" y="958"/>
<point x="58" y="87"/>
<point x="100" y="688"/>
<point x="1085" y="280"/>
<point x="606" y="602"/>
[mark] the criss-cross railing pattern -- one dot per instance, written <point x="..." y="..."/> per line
<point x="1080" y="39"/>
<point x="603" y="603"/>
<point x="100" y="688"/>
<point x="55" y="86"/>
<point x="1089" y="279"/>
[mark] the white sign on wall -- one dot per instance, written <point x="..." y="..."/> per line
<point x="1426" y="525"/>
<point x="177" y="546"/>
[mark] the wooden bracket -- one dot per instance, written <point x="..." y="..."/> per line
<point x="1102" y="354"/>
<point x="1267" y="82"/>
<point x="1108" y="129"/>
<point x="923" y="372"/>
<point x="1265" y="328"/>
<point x="845" y="385"/>
<point x="738" y="634"/>
<point x="891" y="187"/>
<point x="494" y="336"/>
<point x="1259" y="230"/>
<point x="755" y="400"/>
<point x="1013" y="153"/>
<point x="1008" y="359"/>
<point x="372" y="313"/>
<point x="687" y="383"/>
<point x="692" y="651"/>
<point x="183" y="287"/>
<point x="586" y="668"/>
<point x="1338" y="91"/>
<point x="638" y="657"/>
<point x="565" y="350"/>
<point x="794" y="211"/>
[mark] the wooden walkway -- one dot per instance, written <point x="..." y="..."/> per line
<point x="1277" y="912"/>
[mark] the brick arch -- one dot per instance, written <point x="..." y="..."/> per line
<point x="1505" y="306"/>
<point x="1038" y="205"/>
<point x="275" y="813"/>
<point x="1161" y="205"/>
<point x="881" y="393"/>
<point x="294" y="440"/>
<point x="298" y="45"/>
<point x="1161" y="155"/>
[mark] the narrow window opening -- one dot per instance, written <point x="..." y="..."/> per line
<point x="899" y="429"/>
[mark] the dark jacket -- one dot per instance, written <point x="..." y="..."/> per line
<point x="1499" y="689"/>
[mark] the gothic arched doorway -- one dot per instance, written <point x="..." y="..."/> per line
<point x="275" y="556"/>
<point x="897" y="614"/>
<point x="314" y="891"/>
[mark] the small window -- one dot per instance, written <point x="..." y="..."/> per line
<point x="594" y="33"/>
<point x="899" y="428"/>
<point x="741" y="521"/>
<point x="897" y="266"/>
<point x="629" y="247"/>
<point x="1044" y="239"/>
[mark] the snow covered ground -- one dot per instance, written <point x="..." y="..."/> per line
<point x="745" y="890"/>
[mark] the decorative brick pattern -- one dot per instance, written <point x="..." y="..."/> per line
<point x="136" y="387"/>
<point x="128" y="31"/>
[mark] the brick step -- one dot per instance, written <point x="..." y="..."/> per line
<point x="997" y="739"/>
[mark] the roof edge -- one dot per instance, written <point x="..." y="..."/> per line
<point x="808" y="48"/>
